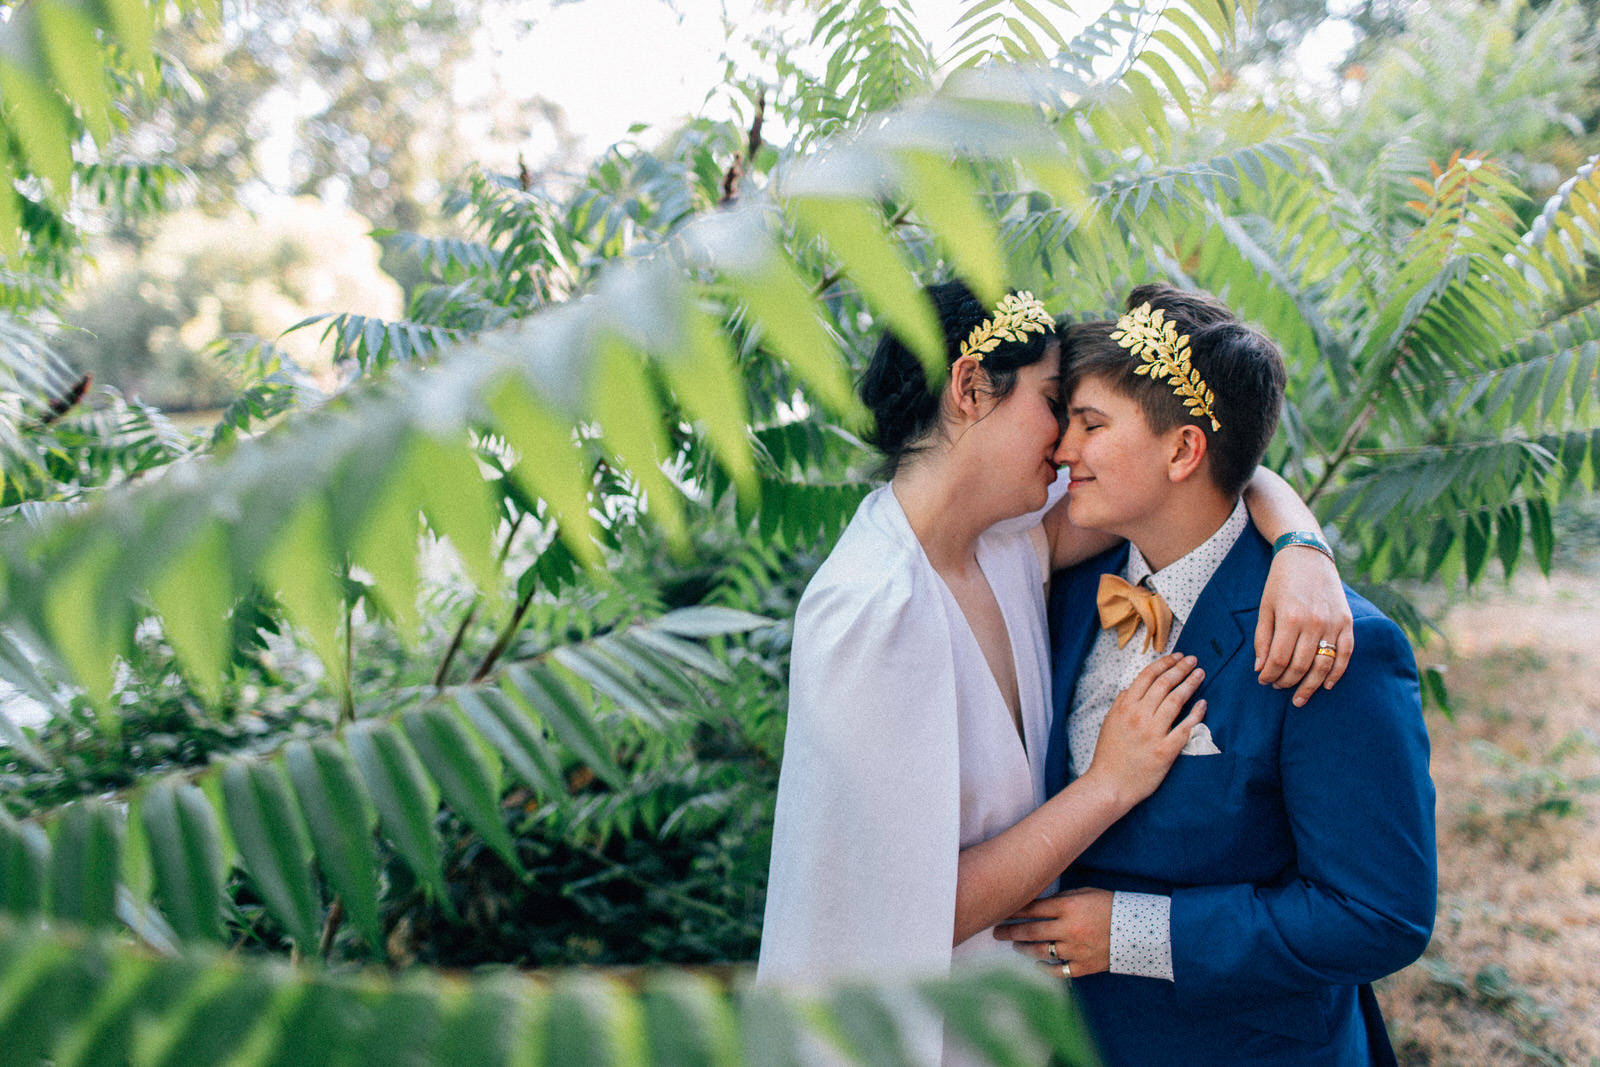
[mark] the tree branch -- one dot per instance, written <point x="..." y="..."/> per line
<point x="507" y="634"/>
<point x="443" y="671"/>
<point x="730" y="180"/>
<point x="1345" y="449"/>
<point x="330" y="927"/>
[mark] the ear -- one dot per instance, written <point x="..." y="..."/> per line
<point x="1188" y="446"/>
<point x="962" y="388"/>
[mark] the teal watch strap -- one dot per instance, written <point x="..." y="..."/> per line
<point x="1306" y="538"/>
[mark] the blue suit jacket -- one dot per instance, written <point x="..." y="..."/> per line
<point x="1300" y="861"/>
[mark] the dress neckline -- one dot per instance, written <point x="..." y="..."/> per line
<point x="988" y="564"/>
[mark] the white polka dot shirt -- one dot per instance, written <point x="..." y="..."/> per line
<point x="1141" y="940"/>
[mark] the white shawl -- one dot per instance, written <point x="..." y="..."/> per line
<point x="869" y="811"/>
<point x="865" y="842"/>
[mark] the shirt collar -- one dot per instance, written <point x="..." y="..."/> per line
<point x="1181" y="582"/>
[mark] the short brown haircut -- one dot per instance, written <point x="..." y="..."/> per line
<point x="1242" y="365"/>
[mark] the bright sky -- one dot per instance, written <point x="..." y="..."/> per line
<point x="611" y="63"/>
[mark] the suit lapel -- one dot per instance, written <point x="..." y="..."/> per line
<point x="1223" y="621"/>
<point x="1220" y="627"/>
<point x="1074" y="621"/>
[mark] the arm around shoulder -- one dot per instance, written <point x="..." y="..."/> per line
<point x="1069" y="544"/>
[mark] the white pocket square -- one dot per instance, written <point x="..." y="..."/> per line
<point x="1200" y="743"/>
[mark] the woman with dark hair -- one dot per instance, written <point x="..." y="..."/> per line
<point x="911" y="809"/>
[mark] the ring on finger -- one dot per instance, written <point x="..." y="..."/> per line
<point x="1326" y="648"/>
<point x="1053" y="957"/>
<point x="1066" y="969"/>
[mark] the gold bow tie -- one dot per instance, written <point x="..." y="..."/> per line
<point x="1125" y="606"/>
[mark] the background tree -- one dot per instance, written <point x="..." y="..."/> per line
<point x="1514" y="81"/>
<point x="349" y="101"/>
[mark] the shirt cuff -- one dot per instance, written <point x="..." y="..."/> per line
<point x="1141" y="935"/>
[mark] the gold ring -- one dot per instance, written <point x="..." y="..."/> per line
<point x="1326" y="650"/>
<point x="1066" y="970"/>
<point x="1054" y="958"/>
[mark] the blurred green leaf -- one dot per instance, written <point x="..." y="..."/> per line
<point x="857" y="235"/>
<point x="406" y="798"/>
<point x="342" y="820"/>
<point x="549" y="467"/>
<point x="457" y="503"/>
<point x="192" y="594"/>
<point x="687" y="1020"/>
<point x="467" y="774"/>
<point x="629" y="412"/>
<point x="270" y="831"/>
<point x="944" y="193"/>
<point x="34" y="113"/>
<point x="76" y="63"/>
<point x="24" y="866"/>
<point x="186" y="852"/>
<point x="590" y="1021"/>
<point x="299" y="570"/>
<point x="87" y="854"/>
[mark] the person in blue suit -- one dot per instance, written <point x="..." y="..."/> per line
<point x="1239" y="914"/>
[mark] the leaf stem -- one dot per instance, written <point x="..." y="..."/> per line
<point x="507" y="633"/>
<point x="455" y="644"/>
<point x="450" y="653"/>
<point x="330" y="928"/>
<point x="624" y="871"/>
<point x="347" y="699"/>
<point x="1346" y="448"/>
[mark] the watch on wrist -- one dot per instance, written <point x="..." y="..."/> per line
<point x="1305" y="539"/>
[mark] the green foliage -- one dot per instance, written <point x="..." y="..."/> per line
<point x="364" y="93"/>
<point x="31" y="376"/>
<point x="164" y="732"/>
<point x="1438" y="410"/>
<point x="286" y="807"/>
<point x="876" y="60"/>
<point x="1539" y="790"/>
<point x="374" y="343"/>
<point x="666" y="868"/>
<point x="56" y="459"/>
<point x="1514" y="80"/>
<point x="71" y="995"/>
<point x="62" y="69"/>
<point x="272" y="384"/>
<point x="150" y="310"/>
<point x="1496" y="991"/>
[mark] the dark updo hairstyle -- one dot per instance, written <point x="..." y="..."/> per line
<point x="905" y="410"/>
<point x="1241" y="365"/>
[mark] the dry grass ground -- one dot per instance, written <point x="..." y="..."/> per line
<point x="1513" y="974"/>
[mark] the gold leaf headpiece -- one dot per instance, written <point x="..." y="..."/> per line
<point x="1016" y="316"/>
<point x="1164" y="353"/>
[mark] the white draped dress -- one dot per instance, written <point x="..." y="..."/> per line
<point x="900" y="752"/>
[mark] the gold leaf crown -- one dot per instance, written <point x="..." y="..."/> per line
<point x="1164" y="353"/>
<point x="1016" y="316"/>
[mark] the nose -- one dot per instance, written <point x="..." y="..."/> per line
<point x="1066" y="449"/>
